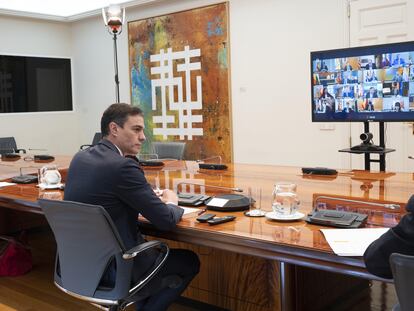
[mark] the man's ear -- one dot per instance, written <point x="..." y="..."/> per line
<point x="113" y="129"/>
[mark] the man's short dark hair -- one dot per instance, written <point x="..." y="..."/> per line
<point x="119" y="114"/>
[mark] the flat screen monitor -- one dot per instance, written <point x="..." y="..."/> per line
<point x="35" y="84"/>
<point x="370" y="83"/>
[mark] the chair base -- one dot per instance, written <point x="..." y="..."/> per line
<point x="103" y="304"/>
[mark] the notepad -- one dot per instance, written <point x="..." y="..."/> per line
<point x="351" y="242"/>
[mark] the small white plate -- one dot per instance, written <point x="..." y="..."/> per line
<point x="276" y="216"/>
<point x="48" y="187"/>
<point x="255" y="213"/>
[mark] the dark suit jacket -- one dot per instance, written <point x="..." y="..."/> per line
<point x="399" y="239"/>
<point x="347" y="109"/>
<point x="374" y="95"/>
<point x="100" y="175"/>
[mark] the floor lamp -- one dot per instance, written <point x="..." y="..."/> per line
<point x="114" y="18"/>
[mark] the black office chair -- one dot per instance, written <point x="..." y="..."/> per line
<point x="402" y="267"/>
<point x="87" y="242"/>
<point x="8" y="145"/>
<point x="169" y="150"/>
<point x="96" y="138"/>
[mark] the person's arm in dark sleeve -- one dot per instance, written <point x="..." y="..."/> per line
<point x="377" y="255"/>
<point x="399" y="239"/>
<point x="135" y="191"/>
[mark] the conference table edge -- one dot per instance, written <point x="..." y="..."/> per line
<point x="316" y="259"/>
<point x="291" y="254"/>
<point x="20" y="205"/>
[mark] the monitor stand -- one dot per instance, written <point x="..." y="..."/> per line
<point x="368" y="148"/>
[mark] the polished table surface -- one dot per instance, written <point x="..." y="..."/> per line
<point x="24" y="197"/>
<point x="296" y="242"/>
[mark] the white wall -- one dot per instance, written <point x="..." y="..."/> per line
<point x="270" y="43"/>
<point x="56" y="132"/>
<point x="271" y="81"/>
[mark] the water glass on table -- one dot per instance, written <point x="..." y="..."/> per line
<point x="255" y="202"/>
<point x="285" y="199"/>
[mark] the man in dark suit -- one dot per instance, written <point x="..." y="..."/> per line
<point x="347" y="108"/>
<point x="371" y="93"/>
<point x="370" y="65"/>
<point x="369" y="106"/>
<point x="102" y="175"/>
<point x="399" y="239"/>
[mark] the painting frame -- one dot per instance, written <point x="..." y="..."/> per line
<point x="201" y="37"/>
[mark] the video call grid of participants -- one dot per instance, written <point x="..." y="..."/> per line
<point x="372" y="83"/>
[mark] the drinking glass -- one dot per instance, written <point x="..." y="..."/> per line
<point x="49" y="175"/>
<point x="285" y="199"/>
<point x="255" y="202"/>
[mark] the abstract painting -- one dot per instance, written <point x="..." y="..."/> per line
<point x="179" y="71"/>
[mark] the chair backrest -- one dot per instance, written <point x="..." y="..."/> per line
<point x="169" y="150"/>
<point x="96" y="138"/>
<point x="7" y="145"/>
<point x="87" y="241"/>
<point x="402" y="267"/>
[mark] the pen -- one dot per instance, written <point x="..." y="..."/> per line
<point x="202" y="212"/>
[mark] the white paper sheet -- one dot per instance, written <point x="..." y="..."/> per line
<point x="351" y="242"/>
<point x="217" y="202"/>
<point x="189" y="210"/>
<point x="5" y="184"/>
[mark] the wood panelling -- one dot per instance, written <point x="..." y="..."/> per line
<point x="234" y="281"/>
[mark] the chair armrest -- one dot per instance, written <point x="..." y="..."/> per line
<point x="140" y="248"/>
<point x="158" y="263"/>
<point x="85" y="146"/>
<point x="22" y="150"/>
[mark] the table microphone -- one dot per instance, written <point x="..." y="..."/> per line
<point x="156" y="162"/>
<point x="146" y="163"/>
<point x="385" y="205"/>
<point x="43" y="157"/>
<point x="212" y="166"/>
<point x="235" y="189"/>
<point x="151" y="163"/>
<point x="233" y="201"/>
<point x="10" y="156"/>
<point x="24" y="179"/>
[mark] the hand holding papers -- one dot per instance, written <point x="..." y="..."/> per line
<point x="351" y="242"/>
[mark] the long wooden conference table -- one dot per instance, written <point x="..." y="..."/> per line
<point x="255" y="263"/>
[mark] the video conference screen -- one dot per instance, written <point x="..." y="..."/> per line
<point x="371" y="83"/>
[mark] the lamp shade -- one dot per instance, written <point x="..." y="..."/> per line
<point x="114" y="18"/>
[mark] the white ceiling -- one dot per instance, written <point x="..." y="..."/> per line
<point x="61" y="10"/>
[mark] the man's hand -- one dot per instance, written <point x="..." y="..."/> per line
<point x="158" y="192"/>
<point x="169" y="196"/>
